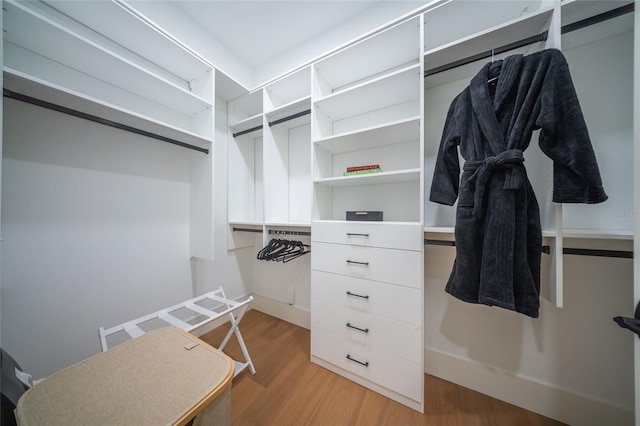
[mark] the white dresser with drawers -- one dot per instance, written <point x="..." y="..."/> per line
<point x="366" y="307"/>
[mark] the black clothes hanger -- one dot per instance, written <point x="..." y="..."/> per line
<point x="632" y="324"/>
<point x="283" y="250"/>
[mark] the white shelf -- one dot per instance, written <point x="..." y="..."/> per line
<point x="245" y="223"/>
<point x="288" y="90"/>
<point x="245" y="107"/>
<point x="471" y="17"/>
<point x="396" y="88"/>
<point x="440" y="229"/>
<point x="135" y="34"/>
<point x="599" y="234"/>
<point x="514" y="30"/>
<point x="399" y="176"/>
<point x="376" y="55"/>
<point x="396" y="132"/>
<point x="45" y="91"/>
<point x="248" y="123"/>
<point x="289" y="224"/>
<point x="44" y="36"/>
<point x="291" y="108"/>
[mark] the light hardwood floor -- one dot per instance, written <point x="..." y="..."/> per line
<point x="288" y="389"/>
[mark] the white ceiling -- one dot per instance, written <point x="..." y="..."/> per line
<point x="259" y="31"/>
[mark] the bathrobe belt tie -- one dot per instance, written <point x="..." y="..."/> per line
<point x="511" y="160"/>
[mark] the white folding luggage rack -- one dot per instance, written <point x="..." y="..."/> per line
<point x="195" y="309"/>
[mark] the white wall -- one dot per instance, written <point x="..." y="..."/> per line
<point x="96" y="232"/>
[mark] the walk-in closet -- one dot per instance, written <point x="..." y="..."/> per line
<point x="406" y="202"/>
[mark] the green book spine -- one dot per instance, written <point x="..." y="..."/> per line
<point x="361" y="172"/>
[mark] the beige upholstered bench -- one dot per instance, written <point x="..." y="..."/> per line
<point x="164" y="377"/>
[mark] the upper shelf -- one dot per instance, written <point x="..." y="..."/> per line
<point x="66" y="58"/>
<point x="512" y="31"/>
<point x="45" y="91"/>
<point x="293" y="114"/>
<point x="387" y="134"/>
<point x="251" y="125"/>
<point x="471" y="17"/>
<point x="397" y="88"/>
<point x="288" y="90"/>
<point x="64" y="41"/>
<point x="395" y="47"/>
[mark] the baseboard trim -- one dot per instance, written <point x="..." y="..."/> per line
<point x="542" y="398"/>
<point x="290" y="313"/>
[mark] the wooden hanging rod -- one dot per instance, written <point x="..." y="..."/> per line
<point x="546" y="249"/>
<point x="44" y="104"/>
<point x="614" y="13"/>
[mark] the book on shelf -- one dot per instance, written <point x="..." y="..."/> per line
<point x="362" y="172"/>
<point x="364" y="167"/>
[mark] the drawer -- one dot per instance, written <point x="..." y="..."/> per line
<point x="387" y="300"/>
<point x="401" y="267"/>
<point x="399" y="375"/>
<point x="393" y="337"/>
<point x="407" y="236"/>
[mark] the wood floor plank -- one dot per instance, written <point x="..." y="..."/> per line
<point x="289" y="390"/>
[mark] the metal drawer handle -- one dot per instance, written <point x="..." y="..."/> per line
<point x="351" y="234"/>
<point x="358" y="263"/>
<point x="366" y="364"/>
<point x="364" y="330"/>
<point x="357" y="295"/>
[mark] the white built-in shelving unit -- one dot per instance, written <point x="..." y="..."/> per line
<point x="367" y="109"/>
<point x="287" y="105"/>
<point x="245" y="166"/>
<point x="270" y="155"/>
<point x="147" y="82"/>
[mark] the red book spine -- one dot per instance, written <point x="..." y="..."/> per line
<point x="367" y="167"/>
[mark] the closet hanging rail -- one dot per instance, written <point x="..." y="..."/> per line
<point x="613" y="13"/>
<point x="290" y="117"/>
<point x="244" y="132"/>
<point x="44" y="104"/>
<point x="599" y="253"/>
<point x="273" y="123"/>
<point x="280" y="232"/>
<point x="487" y="54"/>
<point x="247" y="230"/>
<point x="546" y="249"/>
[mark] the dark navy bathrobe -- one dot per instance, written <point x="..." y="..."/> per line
<point x="498" y="233"/>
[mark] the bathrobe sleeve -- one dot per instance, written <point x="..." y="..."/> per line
<point x="565" y="139"/>
<point x="446" y="176"/>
